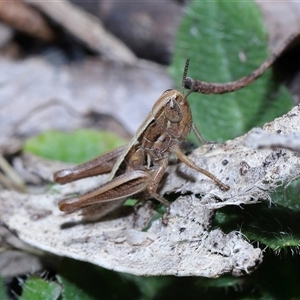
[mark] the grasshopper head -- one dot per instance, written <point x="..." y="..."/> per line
<point x="172" y="113"/>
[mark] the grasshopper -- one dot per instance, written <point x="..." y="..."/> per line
<point x="138" y="167"/>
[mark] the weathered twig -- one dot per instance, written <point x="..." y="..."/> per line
<point x="87" y="28"/>
<point x="13" y="180"/>
<point x="24" y="18"/>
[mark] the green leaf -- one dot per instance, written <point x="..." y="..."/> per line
<point x="36" y="288"/>
<point x="76" y="147"/>
<point x="149" y="287"/>
<point x="226" y="41"/>
<point x="288" y="196"/>
<point x="277" y="277"/>
<point x="276" y="225"/>
<point x="3" y="294"/>
<point x="221" y="282"/>
<point x="84" y="281"/>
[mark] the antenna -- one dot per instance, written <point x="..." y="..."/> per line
<point x="186" y="67"/>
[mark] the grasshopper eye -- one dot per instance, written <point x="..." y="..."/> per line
<point x="173" y="111"/>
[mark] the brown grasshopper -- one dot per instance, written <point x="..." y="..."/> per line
<point x="139" y="166"/>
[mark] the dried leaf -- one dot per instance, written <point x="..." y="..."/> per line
<point x="183" y="247"/>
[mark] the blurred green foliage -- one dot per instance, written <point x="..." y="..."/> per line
<point x="226" y="41"/>
<point x="76" y="147"/>
<point x="36" y="288"/>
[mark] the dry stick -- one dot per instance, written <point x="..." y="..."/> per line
<point x="12" y="176"/>
<point x="24" y="18"/>
<point x="87" y="28"/>
<point x="220" y="88"/>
